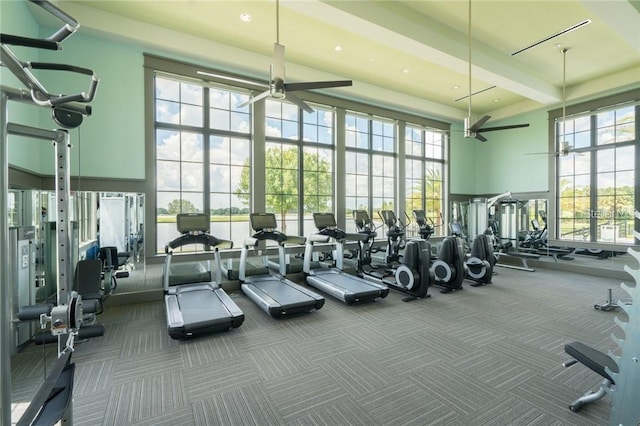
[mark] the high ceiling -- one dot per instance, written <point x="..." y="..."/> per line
<point x="379" y="39"/>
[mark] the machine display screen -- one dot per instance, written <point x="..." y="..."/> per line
<point x="260" y="221"/>
<point x="324" y="220"/>
<point x="456" y="229"/>
<point x="192" y="222"/>
<point x="420" y="216"/>
<point x="361" y="216"/>
<point x="389" y="217"/>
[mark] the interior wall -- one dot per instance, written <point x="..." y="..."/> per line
<point x="16" y="19"/>
<point x="463" y="166"/>
<point x="110" y="142"/>
<point x="505" y="162"/>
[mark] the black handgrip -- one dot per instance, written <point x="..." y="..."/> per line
<point x="60" y="67"/>
<point x="29" y="42"/>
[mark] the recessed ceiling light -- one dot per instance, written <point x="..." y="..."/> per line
<point x="405" y="70"/>
<point x="456" y="87"/>
<point x="245" y="17"/>
<point x="337" y="48"/>
<point x="496" y="100"/>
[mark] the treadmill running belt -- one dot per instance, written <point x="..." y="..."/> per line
<point x="200" y="308"/>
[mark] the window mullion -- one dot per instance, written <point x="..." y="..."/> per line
<point x="593" y="181"/>
<point x="206" y="135"/>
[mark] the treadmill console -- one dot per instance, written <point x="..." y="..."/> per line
<point x="326" y="224"/>
<point x="192" y="223"/>
<point x="263" y="221"/>
<point x="264" y="224"/>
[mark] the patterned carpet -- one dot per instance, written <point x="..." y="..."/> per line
<point x="483" y="356"/>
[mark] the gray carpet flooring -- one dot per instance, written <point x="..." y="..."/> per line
<point x="487" y="355"/>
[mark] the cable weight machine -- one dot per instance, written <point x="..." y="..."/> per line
<point x="68" y="112"/>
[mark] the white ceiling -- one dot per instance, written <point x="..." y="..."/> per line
<point x="381" y="38"/>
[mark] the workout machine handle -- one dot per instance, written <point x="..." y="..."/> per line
<point x="70" y="25"/>
<point x="21" y="70"/>
<point x="37" y="43"/>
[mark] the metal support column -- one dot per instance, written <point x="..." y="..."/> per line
<point x="5" y="303"/>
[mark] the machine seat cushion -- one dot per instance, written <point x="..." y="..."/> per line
<point x="592" y="358"/>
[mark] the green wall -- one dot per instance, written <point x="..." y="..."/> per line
<point x="110" y="142"/>
<point x="504" y="163"/>
<point x="15" y="18"/>
<point x="463" y="165"/>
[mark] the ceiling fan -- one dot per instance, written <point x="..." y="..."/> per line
<point x="277" y="88"/>
<point x="475" y="130"/>
<point x="565" y="148"/>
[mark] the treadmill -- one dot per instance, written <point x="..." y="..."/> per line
<point x="274" y="293"/>
<point x="194" y="303"/>
<point x="334" y="281"/>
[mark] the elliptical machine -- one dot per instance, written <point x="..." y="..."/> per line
<point x="481" y="260"/>
<point x="395" y="235"/>
<point x="424" y="229"/>
<point x="448" y="270"/>
<point x="410" y="275"/>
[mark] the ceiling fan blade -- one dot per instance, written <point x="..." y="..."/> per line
<point x="292" y="87"/>
<point x="299" y="102"/>
<point x="513" y="126"/>
<point x="277" y="67"/>
<point x="480" y="137"/>
<point x="479" y="123"/>
<point x="550" y="154"/>
<point x="262" y="95"/>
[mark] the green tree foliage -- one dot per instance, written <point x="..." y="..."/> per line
<point x="181" y="206"/>
<point x="282" y="183"/>
<point x="432" y="195"/>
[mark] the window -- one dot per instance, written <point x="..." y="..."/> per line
<point x="424" y="166"/>
<point x="597" y="180"/>
<point x="299" y="165"/>
<point x="370" y="165"/>
<point x="209" y="151"/>
<point x="317" y="165"/>
<point x="202" y="146"/>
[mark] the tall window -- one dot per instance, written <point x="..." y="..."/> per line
<point x="229" y="164"/>
<point x="299" y="165"/>
<point x="317" y="164"/>
<point x="202" y="154"/>
<point x="370" y="165"/>
<point x="424" y="165"/>
<point x="597" y="180"/>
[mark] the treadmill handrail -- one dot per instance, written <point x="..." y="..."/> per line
<point x="206" y="240"/>
<point x="318" y="238"/>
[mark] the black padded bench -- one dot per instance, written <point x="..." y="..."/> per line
<point x="596" y="361"/>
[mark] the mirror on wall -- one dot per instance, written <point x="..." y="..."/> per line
<point x="522" y="225"/>
<point x="99" y="220"/>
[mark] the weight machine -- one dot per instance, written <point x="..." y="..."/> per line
<point x="67" y="111"/>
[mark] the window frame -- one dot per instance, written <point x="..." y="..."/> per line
<point x="591" y="110"/>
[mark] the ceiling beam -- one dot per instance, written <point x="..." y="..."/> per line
<point x="395" y="25"/>
<point x="621" y="16"/>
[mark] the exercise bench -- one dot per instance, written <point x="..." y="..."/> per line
<point x="596" y="361"/>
